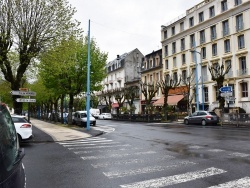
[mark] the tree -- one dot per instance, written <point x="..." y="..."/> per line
<point x="149" y="90"/>
<point x="168" y="83"/>
<point x="28" y="27"/>
<point x="131" y="93"/>
<point x="119" y="94"/>
<point x="64" y="68"/>
<point x="188" y="82"/>
<point x="218" y="73"/>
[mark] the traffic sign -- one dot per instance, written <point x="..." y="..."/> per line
<point x="23" y="93"/>
<point x="230" y="98"/>
<point x="25" y="100"/>
<point x="228" y="94"/>
<point x="226" y="89"/>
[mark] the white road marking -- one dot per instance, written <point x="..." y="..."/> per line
<point x="117" y="155"/>
<point x="131" y="161"/>
<point x="196" y="147"/>
<point x="90" y="144"/>
<point x="107" y="151"/>
<point x="240" y="183"/>
<point x="236" y="154"/>
<point x="146" y="170"/>
<point x="171" y="180"/>
<point x="98" y="147"/>
<point x="85" y="142"/>
<point x="216" y="150"/>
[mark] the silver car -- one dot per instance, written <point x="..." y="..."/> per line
<point x="80" y="118"/>
<point x="202" y="117"/>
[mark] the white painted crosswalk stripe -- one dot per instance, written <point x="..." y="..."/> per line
<point x="131" y="161"/>
<point x="145" y="170"/>
<point x="90" y="144"/>
<point x="236" y="154"/>
<point x="241" y="183"/>
<point x="107" y="151"/>
<point x="116" y="155"/>
<point x="105" y="129"/>
<point x="85" y="142"/>
<point x="175" y="179"/>
<point x="98" y="147"/>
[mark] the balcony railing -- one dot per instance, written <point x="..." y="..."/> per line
<point x="213" y="36"/>
<point x="225" y="32"/>
<point x="239" y="27"/>
<point x="202" y="40"/>
<point x="229" y="74"/>
<point x="242" y="72"/>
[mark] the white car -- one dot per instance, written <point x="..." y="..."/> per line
<point x="23" y="127"/>
<point x="105" y="116"/>
<point x="80" y="118"/>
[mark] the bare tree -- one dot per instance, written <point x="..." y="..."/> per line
<point x="131" y="93"/>
<point x="218" y="73"/>
<point x="169" y="82"/>
<point x="119" y="97"/>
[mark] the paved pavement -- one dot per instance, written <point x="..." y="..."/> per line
<point x="61" y="132"/>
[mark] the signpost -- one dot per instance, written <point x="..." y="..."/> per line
<point x="23" y="93"/>
<point x="226" y="89"/>
<point x="25" y="100"/>
<point x="228" y="94"/>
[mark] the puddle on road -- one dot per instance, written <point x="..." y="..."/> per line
<point x="184" y="150"/>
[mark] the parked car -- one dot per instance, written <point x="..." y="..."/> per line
<point x="94" y="112"/>
<point x="202" y="117"/>
<point x="23" y="127"/>
<point x="105" y="116"/>
<point x="80" y="118"/>
<point x="12" y="174"/>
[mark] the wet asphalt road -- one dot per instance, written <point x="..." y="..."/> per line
<point x="142" y="155"/>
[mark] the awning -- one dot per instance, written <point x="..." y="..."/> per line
<point x="101" y="107"/>
<point x="115" y="105"/>
<point x="172" y="100"/>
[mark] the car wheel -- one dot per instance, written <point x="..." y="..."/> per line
<point x="186" y="122"/>
<point x="203" y="122"/>
<point x="94" y="123"/>
<point x="19" y="138"/>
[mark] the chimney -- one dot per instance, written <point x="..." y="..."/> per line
<point x="118" y="57"/>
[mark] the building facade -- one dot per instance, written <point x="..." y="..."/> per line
<point x="212" y="33"/>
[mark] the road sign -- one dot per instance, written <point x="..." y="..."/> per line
<point x="23" y="89"/>
<point x="23" y="93"/>
<point x="226" y="89"/>
<point x="228" y="94"/>
<point x="25" y="100"/>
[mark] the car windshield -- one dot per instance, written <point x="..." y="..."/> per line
<point x="19" y="120"/>
<point x="213" y="113"/>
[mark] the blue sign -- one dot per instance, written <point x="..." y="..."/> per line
<point x="226" y="89"/>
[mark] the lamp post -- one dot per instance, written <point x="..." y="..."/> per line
<point x="88" y="82"/>
<point x="202" y="86"/>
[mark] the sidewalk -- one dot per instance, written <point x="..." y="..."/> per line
<point x="60" y="132"/>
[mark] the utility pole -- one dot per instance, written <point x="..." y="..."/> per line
<point x="88" y="82"/>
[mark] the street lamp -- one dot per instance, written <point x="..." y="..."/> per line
<point x="196" y="79"/>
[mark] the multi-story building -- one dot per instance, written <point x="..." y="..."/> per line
<point x="123" y="71"/>
<point x="151" y="72"/>
<point x="213" y="32"/>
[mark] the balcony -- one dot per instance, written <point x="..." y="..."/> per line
<point x="111" y="81"/>
<point x="119" y="79"/>
<point x="239" y="27"/>
<point x="225" y="32"/>
<point x="242" y="72"/>
<point x="229" y="74"/>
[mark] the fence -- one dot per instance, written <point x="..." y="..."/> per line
<point x="236" y="119"/>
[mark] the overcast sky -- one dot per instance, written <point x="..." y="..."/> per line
<point x="120" y="26"/>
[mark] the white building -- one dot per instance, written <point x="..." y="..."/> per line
<point x="219" y="32"/>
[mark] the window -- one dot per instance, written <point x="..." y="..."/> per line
<point x="205" y="94"/>
<point x="192" y="41"/>
<point x="173" y="30"/>
<point x="211" y="12"/>
<point x="193" y="56"/>
<point x="175" y="77"/>
<point x="227" y="45"/>
<point x="230" y="72"/>
<point x="183" y="58"/>
<point x="182" y="44"/>
<point x="184" y="76"/>
<point x="237" y="2"/>
<point x="173" y="47"/>
<point x="174" y="62"/>
<point x="214" y="49"/>
<point x="165" y="34"/>
<point x="242" y="66"/>
<point x="203" y="53"/>
<point x="182" y="26"/>
<point x="166" y="64"/>
<point x="239" y="22"/>
<point x="225" y="28"/>
<point x="223" y="5"/>
<point x="201" y="17"/>
<point x="244" y="89"/>
<point x="202" y="37"/>
<point x="241" y="42"/>
<point x="204" y="73"/>
<point x="191" y="22"/>
<point x="166" y="50"/>
<point x="213" y="32"/>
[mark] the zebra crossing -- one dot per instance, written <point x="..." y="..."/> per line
<point x="105" y="129"/>
<point x="126" y="161"/>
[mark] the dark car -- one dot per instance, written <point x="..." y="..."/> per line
<point x="12" y="173"/>
<point x="202" y="117"/>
